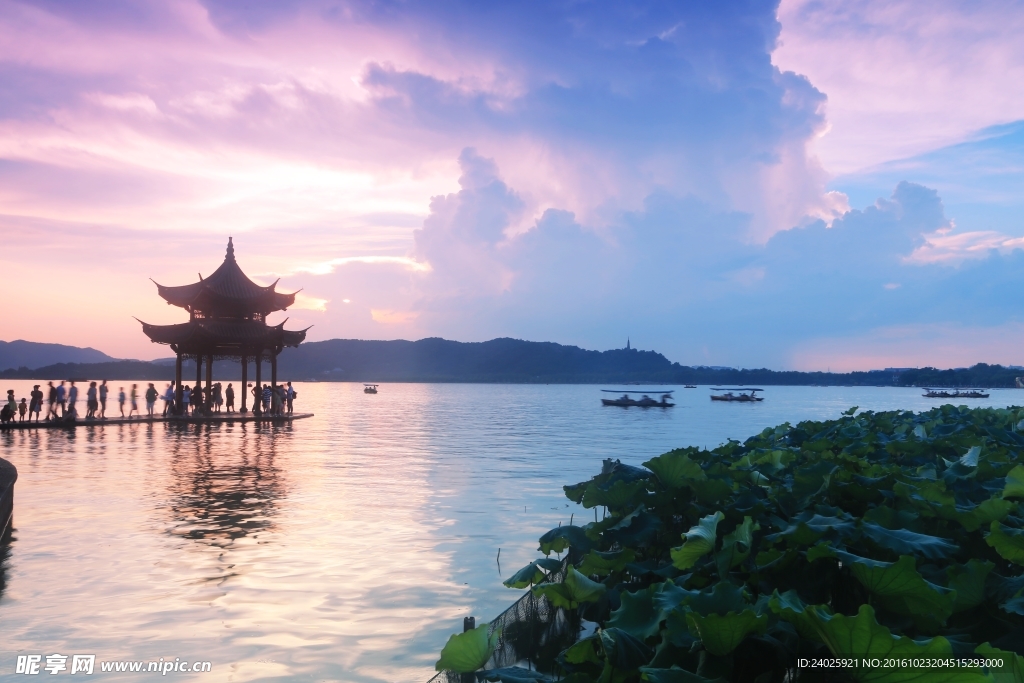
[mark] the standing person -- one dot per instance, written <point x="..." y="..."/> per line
<point x="277" y="400"/>
<point x="290" y="395"/>
<point x="36" y="406"/>
<point x="120" y="400"/>
<point x="51" y="399"/>
<point x="255" y="391"/>
<point x="103" y="400"/>
<point x="197" y="399"/>
<point x="134" y="397"/>
<point x="266" y="397"/>
<point x="229" y="396"/>
<point x="218" y="397"/>
<point x="169" y="399"/>
<point x="10" y="409"/>
<point x="186" y="398"/>
<point x="92" y="403"/>
<point x="61" y="398"/>
<point x="151" y="396"/>
<point x="72" y="400"/>
<point x="22" y="409"/>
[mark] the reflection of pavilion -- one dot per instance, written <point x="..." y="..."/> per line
<point x="227" y="319"/>
<point x="223" y="494"/>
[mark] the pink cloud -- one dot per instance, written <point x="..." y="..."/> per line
<point x="904" y="78"/>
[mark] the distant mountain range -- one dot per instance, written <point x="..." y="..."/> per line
<point x="496" y="361"/>
<point x="25" y="354"/>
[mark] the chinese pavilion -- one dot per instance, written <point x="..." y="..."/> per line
<point x="227" y="319"/>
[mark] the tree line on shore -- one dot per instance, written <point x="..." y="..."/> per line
<point x="515" y="361"/>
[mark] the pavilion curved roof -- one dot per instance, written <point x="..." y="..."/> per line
<point x="227" y="336"/>
<point x="227" y="292"/>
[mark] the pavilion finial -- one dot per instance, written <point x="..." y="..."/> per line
<point x="231" y="251"/>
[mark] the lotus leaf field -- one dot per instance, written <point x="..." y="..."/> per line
<point x="891" y="535"/>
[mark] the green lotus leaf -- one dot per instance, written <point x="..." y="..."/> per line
<point x="467" y="652"/>
<point x="511" y="674"/>
<point x="1014" y="487"/>
<point x="670" y="596"/>
<point x="969" y="583"/>
<point x="721" y="634"/>
<point x="635" y="529"/>
<point x="675" y="675"/>
<point x="615" y="496"/>
<point x="1014" y="605"/>
<point x="983" y="514"/>
<point x="573" y="591"/>
<point x="862" y="636"/>
<point x="603" y="564"/>
<point x="971" y="457"/>
<point x="1013" y="672"/>
<point x="1009" y="543"/>
<point x="713" y="490"/>
<point x="700" y="540"/>
<point x="675" y="469"/>
<point x="903" y="542"/>
<point x="724" y="597"/>
<point x="622" y="651"/>
<point x="791" y="608"/>
<point x="560" y="538"/>
<point x="638" y="615"/>
<point x="583" y="651"/>
<point x="901" y="588"/>
<point x="528" y="575"/>
<point x="736" y="545"/>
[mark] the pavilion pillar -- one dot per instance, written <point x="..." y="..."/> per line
<point x="245" y="381"/>
<point x="273" y="377"/>
<point x="199" y="379"/>
<point x="177" y="385"/>
<point x="257" y="399"/>
<point x="208" y="403"/>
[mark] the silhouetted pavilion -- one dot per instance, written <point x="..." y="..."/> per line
<point x="227" y="319"/>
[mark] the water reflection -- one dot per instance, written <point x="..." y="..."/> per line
<point x="218" y="494"/>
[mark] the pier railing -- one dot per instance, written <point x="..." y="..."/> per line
<point x="533" y="632"/>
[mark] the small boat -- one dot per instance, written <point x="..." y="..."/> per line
<point x="690" y="386"/>
<point x="645" y="401"/>
<point x="738" y="398"/>
<point x="971" y="393"/>
<point x="370" y="388"/>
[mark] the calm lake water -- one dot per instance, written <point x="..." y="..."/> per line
<point x="345" y="547"/>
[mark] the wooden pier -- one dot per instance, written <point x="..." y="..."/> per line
<point x="215" y="418"/>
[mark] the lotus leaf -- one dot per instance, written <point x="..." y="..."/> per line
<point x="675" y="675"/>
<point x="1014" y="487"/>
<point x="575" y="590"/>
<point x="582" y="651"/>
<point x="615" y="496"/>
<point x="969" y="583"/>
<point x="527" y="576"/>
<point x="558" y="539"/>
<point x="511" y="674"/>
<point x="603" y="564"/>
<point x="901" y="588"/>
<point x="721" y="634"/>
<point x="622" y="651"/>
<point x="724" y="597"/>
<point x="862" y="636"/>
<point x="1009" y="543"/>
<point x="903" y="542"/>
<point x="638" y="615"/>
<point x="736" y="545"/>
<point x="467" y="652"/>
<point x="1014" y="673"/>
<point x="700" y="540"/>
<point x="675" y="469"/>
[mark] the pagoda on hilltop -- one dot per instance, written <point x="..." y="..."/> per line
<point x="227" y="319"/>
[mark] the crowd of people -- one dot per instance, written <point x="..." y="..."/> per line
<point x="62" y="401"/>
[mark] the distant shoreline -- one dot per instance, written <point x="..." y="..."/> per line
<point x="511" y="361"/>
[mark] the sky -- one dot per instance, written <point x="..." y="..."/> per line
<point x="807" y="185"/>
